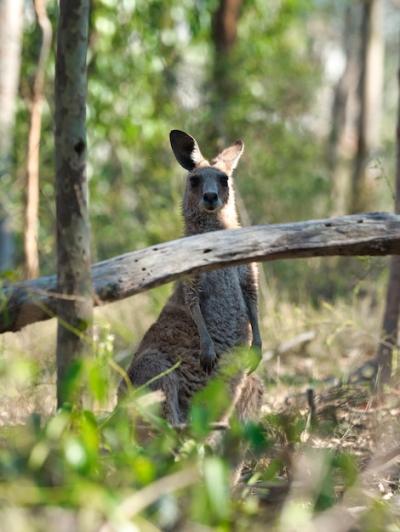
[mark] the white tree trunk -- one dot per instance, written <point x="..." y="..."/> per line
<point x="31" y="229"/>
<point x="11" y="21"/>
<point x="374" y="73"/>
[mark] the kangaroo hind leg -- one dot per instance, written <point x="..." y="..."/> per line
<point x="145" y="370"/>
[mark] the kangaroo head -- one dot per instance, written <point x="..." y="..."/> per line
<point x="208" y="184"/>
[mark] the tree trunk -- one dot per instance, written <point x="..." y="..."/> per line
<point x="32" y="170"/>
<point x="392" y="308"/>
<point x="370" y="100"/>
<point x="340" y="149"/>
<point x="73" y="234"/>
<point x="11" y="22"/>
<point x="131" y="273"/>
<point x="224" y="32"/>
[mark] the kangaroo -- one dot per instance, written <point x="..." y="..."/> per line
<point x="208" y="314"/>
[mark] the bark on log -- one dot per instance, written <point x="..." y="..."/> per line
<point x="131" y="273"/>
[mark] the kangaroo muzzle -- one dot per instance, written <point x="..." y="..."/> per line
<point x="210" y="201"/>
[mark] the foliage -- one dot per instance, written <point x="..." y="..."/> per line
<point x="126" y="468"/>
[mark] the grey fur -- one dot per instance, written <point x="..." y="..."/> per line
<point x="208" y="314"/>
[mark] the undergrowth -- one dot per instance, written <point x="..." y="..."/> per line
<point x="315" y="460"/>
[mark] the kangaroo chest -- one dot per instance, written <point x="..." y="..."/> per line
<point x="224" y="308"/>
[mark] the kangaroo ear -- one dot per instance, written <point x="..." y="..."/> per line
<point x="228" y="159"/>
<point x="186" y="149"/>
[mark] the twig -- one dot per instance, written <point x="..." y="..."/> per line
<point x="297" y="342"/>
<point x="216" y="426"/>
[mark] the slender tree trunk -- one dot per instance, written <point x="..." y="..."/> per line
<point x="73" y="233"/>
<point x="340" y="149"/>
<point x="11" y="22"/>
<point x="392" y="308"/>
<point x="224" y="32"/>
<point x="370" y="98"/>
<point x="32" y="171"/>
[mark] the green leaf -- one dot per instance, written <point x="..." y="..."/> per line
<point x="217" y="485"/>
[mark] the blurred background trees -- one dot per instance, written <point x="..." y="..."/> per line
<point x="291" y="78"/>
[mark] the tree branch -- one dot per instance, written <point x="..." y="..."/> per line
<point x="131" y="273"/>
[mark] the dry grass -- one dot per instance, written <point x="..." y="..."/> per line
<point x="344" y="336"/>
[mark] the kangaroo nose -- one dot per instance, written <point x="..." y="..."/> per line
<point x="210" y="197"/>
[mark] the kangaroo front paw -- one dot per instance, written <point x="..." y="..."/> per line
<point x="208" y="357"/>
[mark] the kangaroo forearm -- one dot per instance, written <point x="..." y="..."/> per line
<point x="207" y="349"/>
<point x="250" y="294"/>
<point x="197" y="315"/>
<point x="252" y="308"/>
<point x="191" y="293"/>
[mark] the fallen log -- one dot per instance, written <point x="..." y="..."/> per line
<point x="293" y="344"/>
<point x="123" y="276"/>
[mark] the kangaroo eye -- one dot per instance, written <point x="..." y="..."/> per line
<point x="224" y="180"/>
<point x="194" y="181"/>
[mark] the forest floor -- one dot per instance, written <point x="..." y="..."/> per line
<point x="344" y="431"/>
<point x="332" y="441"/>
